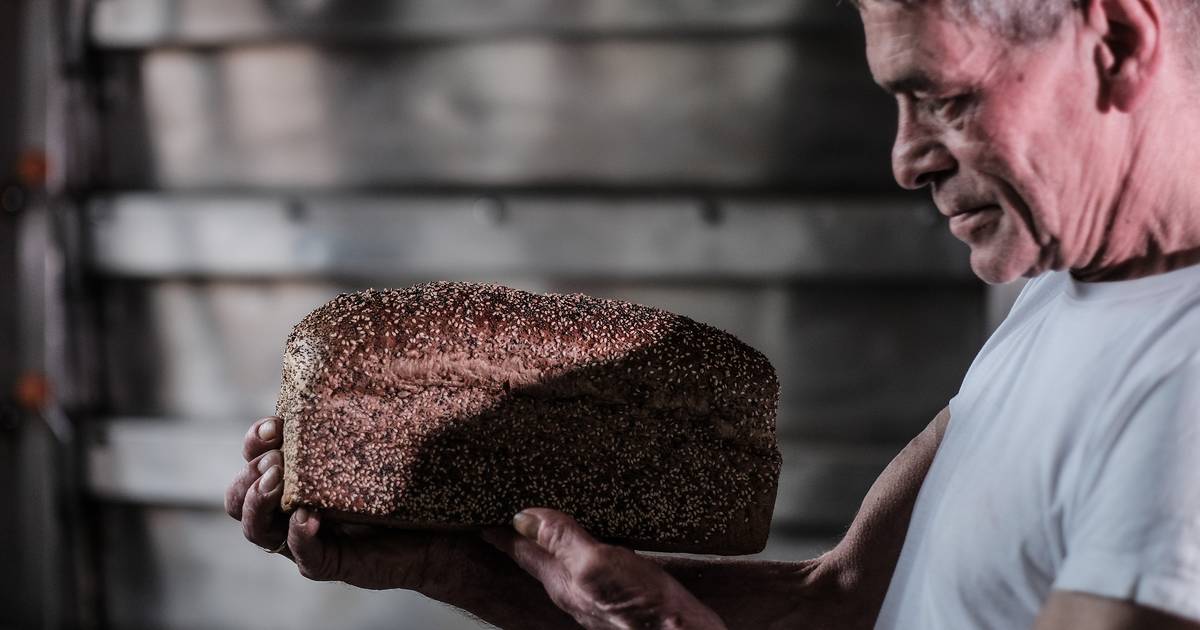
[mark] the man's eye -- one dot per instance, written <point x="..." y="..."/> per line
<point x="948" y="106"/>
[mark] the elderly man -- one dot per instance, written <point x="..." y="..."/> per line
<point x="1059" y="488"/>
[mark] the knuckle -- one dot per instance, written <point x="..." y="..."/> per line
<point x="600" y="582"/>
<point x="233" y="503"/>
<point x="248" y="529"/>
<point x="275" y="458"/>
<point x="611" y="577"/>
<point x="592" y="563"/>
<point x="252" y="517"/>
<point x="250" y="445"/>
<point x="554" y="532"/>
<point x="593" y="558"/>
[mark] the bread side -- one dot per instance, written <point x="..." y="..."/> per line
<point x="452" y="405"/>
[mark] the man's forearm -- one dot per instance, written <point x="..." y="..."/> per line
<point x="844" y="588"/>
<point x="866" y="557"/>
<point x="760" y="594"/>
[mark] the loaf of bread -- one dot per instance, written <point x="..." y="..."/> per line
<point x="453" y="405"/>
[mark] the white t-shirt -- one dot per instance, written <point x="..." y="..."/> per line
<point x="1072" y="462"/>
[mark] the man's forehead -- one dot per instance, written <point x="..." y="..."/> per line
<point x="876" y="6"/>
<point x="896" y="42"/>
<point x="914" y="47"/>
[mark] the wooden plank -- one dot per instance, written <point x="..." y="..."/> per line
<point x="389" y="237"/>
<point x="795" y="113"/>
<point x="154" y="23"/>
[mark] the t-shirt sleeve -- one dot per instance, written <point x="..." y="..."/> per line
<point x="1132" y="530"/>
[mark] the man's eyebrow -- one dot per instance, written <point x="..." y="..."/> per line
<point x="907" y="84"/>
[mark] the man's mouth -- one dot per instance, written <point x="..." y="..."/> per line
<point x="967" y="225"/>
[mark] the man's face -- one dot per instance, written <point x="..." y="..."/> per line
<point x="1007" y="136"/>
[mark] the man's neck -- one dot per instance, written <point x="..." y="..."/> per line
<point x="1140" y="267"/>
<point x="1154" y="223"/>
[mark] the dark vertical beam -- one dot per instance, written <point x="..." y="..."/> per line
<point x="10" y="117"/>
<point x="11" y="82"/>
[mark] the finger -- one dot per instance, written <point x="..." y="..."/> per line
<point x="556" y="533"/>
<point x="525" y="552"/>
<point x="262" y="436"/>
<point x="315" y="557"/>
<point x="235" y="494"/>
<point x="535" y="561"/>
<point x="263" y="522"/>
<point x="551" y="545"/>
<point x="529" y="556"/>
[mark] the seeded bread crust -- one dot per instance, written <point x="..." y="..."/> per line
<point x="454" y="406"/>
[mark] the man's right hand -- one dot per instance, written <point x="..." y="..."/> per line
<point x="367" y="557"/>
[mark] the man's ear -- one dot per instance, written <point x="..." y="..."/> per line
<point x="1130" y="51"/>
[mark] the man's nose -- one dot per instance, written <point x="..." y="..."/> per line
<point x="918" y="156"/>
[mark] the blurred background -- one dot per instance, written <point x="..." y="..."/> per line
<point x="183" y="180"/>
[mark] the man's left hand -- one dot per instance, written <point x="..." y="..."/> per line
<point x="602" y="586"/>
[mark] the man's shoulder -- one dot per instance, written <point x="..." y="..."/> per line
<point x="1110" y="348"/>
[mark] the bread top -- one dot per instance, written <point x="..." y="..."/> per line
<point x="479" y="334"/>
<point x="490" y="341"/>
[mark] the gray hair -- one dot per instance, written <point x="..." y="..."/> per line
<point x="1019" y="20"/>
<point x="1033" y="20"/>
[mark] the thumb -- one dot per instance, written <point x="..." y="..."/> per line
<point x="555" y="532"/>
<point x="549" y="542"/>
<point x="310" y="552"/>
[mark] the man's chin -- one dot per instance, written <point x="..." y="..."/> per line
<point x="994" y="269"/>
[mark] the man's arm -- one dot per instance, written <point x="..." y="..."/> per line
<point x="843" y="588"/>
<point x="1066" y="610"/>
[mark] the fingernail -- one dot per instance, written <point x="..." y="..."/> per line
<point x="527" y="525"/>
<point x="266" y="431"/>
<point x="301" y="516"/>
<point x="264" y="464"/>
<point x="269" y="481"/>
